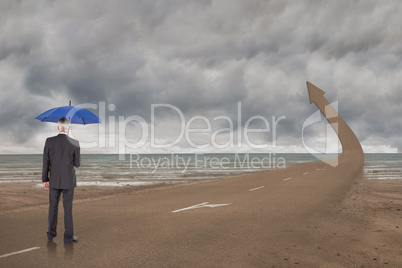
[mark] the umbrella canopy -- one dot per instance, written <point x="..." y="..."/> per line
<point x="76" y="115"/>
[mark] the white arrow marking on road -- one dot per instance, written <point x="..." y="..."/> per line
<point x="287" y="179"/>
<point x="18" y="252"/>
<point x="192" y="207"/>
<point x="256" y="188"/>
<point x="205" y="204"/>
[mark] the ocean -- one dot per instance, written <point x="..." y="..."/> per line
<point x="143" y="169"/>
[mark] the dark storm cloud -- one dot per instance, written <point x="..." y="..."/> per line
<point x="204" y="57"/>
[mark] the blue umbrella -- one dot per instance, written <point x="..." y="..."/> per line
<point x="76" y="115"/>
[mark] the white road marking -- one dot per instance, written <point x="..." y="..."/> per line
<point x="18" y="252"/>
<point x="287" y="179"/>
<point x="305" y="173"/>
<point x="256" y="188"/>
<point x="205" y="204"/>
<point x="192" y="207"/>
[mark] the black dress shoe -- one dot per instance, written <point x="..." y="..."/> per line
<point x="73" y="240"/>
<point x="49" y="237"/>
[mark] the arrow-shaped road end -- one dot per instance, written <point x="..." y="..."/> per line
<point x="314" y="93"/>
<point x="350" y="143"/>
<point x="316" y="96"/>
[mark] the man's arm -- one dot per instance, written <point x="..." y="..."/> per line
<point x="46" y="163"/>
<point x="77" y="156"/>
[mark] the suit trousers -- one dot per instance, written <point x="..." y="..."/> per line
<point x="54" y="198"/>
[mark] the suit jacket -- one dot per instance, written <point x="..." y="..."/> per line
<point x="60" y="156"/>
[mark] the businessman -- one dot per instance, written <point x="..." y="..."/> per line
<point x="60" y="156"/>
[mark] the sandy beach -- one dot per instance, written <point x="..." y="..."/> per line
<point x="351" y="222"/>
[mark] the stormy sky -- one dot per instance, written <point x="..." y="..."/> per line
<point x="217" y="62"/>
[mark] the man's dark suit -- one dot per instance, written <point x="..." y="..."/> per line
<point x="60" y="156"/>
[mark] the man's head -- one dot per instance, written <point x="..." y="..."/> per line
<point x="64" y="125"/>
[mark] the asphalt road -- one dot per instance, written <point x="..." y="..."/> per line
<point x="238" y="222"/>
